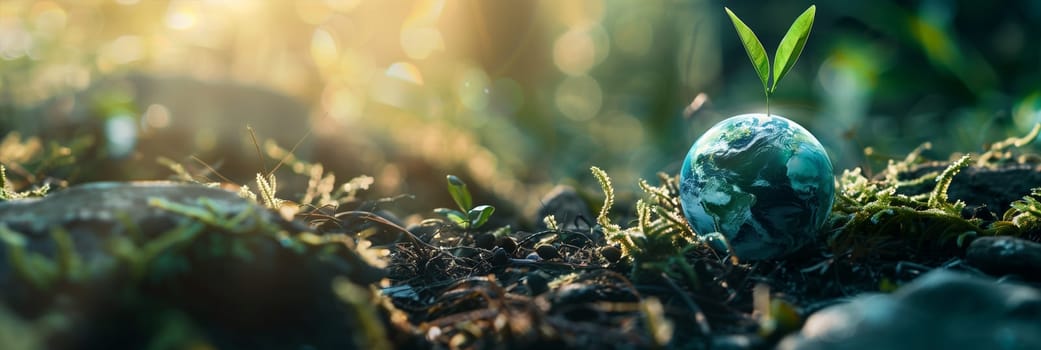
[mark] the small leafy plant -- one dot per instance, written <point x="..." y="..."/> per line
<point x="474" y="217"/>
<point x="787" y="52"/>
<point x="660" y="240"/>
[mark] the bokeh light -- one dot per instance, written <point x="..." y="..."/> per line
<point x="183" y="14"/>
<point x="1027" y="111"/>
<point x="120" y="135"/>
<point x="579" y="49"/>
<point x="514" y="94"/>
<point x="472" y="87"/>
<point x="579" y="98"/>
<point x="324" y="49"/>
<point x="156" y="116"/>
<point x="633" y="35"/>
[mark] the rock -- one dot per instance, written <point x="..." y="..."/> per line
<point x="500" y="257"/>
<point x="940" y="310"/>
<point x="507" y="243"/>
<point x="736" y="342"/>
<point x="105" y="256"/>
<point x="537" y="282"/>
<point x="1006" y="255"/>
<point x="611" y="253"/>
<point x="990" y="188"/>
<point x="763" y="182"/>
<point x="570" y="210"/>
<point x="484" y="241"/>
<point x="547" y="252"/>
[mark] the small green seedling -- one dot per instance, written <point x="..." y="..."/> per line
<point x="475" y="216"/>
<point x="787" y="52"/>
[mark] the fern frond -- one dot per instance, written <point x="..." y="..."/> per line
<point x="938" y="198"/>
<point x="605" y="186"/>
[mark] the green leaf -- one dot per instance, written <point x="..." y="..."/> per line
<point x="457" y="188"/>
<point x="754" y="48"/>
<point x="479" y="215"/>
<point x="455" y="216"/>
<point x="792" y="44"/>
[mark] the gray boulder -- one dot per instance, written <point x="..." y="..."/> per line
<point x="940" y="310"/>
<point x="1005" y="255"/>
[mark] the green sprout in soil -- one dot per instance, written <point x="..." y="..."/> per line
<point x="474" y="217"/>
<point x="787" y="52"/>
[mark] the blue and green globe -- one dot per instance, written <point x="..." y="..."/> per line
<point x="763" y="182"/>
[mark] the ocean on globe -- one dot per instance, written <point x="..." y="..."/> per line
<point x="763" y="182"/>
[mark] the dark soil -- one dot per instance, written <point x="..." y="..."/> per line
<point x="448" y="287"/>
<point x="577" y="296"/>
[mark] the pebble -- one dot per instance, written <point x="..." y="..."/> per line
<point x="547" y="252"/>
<point x="507" y="243"/>
<point x="736" y="342"/>
<point x="484" y="241"/>
<point x="1006" y="255"/>
<point x="611" y="253"/>
<point x="940" y="310"/>
<point x="500" y="257"/>
<point x="537" y="282"/>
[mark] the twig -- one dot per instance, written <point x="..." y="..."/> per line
<point x="699" y="316"/>
<point x="364" y="215"/>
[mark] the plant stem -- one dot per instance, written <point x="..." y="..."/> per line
<point x="767" y="103"/>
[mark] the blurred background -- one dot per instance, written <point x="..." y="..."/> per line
<point x="513" y="96"/>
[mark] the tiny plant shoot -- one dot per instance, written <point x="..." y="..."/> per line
<point x="474" y="217"/>
<point x="787" y="52"/>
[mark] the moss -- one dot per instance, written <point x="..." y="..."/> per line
<point x="869" y="212"/>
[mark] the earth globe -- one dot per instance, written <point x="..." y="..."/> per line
<point x="761" y="181"/>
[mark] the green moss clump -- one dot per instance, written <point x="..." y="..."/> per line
<point x="871" y="212"/>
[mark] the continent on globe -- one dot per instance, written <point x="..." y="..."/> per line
<point x="763" y="182"/>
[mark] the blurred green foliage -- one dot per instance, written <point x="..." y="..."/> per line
<point x="518" y="94"/>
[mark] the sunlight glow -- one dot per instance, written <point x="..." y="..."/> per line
<point x="1027" y="112"/>
<point x="472" y="86"/>
<point x="156" y="116"/>
<point x="419" y="35"/>
<point x="182" y="14"/>
<point x="120" y="136"/>
<point x="579" y="98"/>
<point x="405" y="71"/>
<point x="580" y="49"/>
<point x="633" y="35"/>
<point x="312" y="11"/>
<point x="342" y="6"/>
<point x="580" y="12"/>
<point x="420" y="42"/>
<point x="324" y="50"/>
<point x="507" y="96"/>
<point x="342" y="103"/>
<point x="425" y="13"/>
<point x="49" y="17"/>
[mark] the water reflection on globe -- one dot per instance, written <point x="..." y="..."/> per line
<point x="763" y="182"/>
